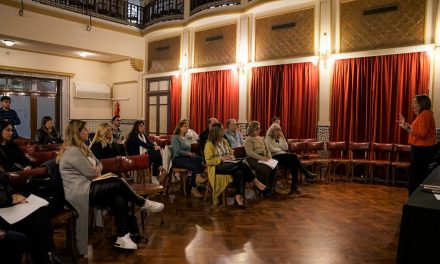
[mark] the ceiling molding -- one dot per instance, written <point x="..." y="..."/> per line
<point x="19" y="69"/>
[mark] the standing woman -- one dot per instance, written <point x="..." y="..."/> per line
<point x="218" y="153"/>
<point x="138" y="144"/>
<point x="183" y="157"/>
<point x="11" y="156"/>
<point x="422" y="139"/>
<point x="256" y="150"/>
<point x="47" y="133"/>
<point x="277" y="144"/>
<point x="103" y="146"/>
<point x="79" y="170"/>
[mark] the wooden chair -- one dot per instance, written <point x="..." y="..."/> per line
<point x="239" y="152"/>
<point x="38" y="158"/>
<point x="298" y="148"/>
<point x="402" y="158"/>
<point x="111" y="165"/>
<point x="29" y="149"/>
<point x="359" y="152"/>
<point x="336" y="155"/>
<point x="315" y="151"/>
<point x="49" y="147"/>
<point x="63" y="218"/>
<point x="140" y="164"/>
<point x="307" y="140"/>
<point x="381" y="158"/>
<point x="145" y="190"/>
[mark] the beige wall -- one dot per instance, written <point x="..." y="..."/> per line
<point x="83" y="70"/>
<point x="128" y="87"/>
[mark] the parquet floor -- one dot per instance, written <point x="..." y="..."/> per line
<point x="328" y="223"/>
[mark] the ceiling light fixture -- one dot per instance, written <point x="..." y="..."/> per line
<point x="8" y="42"/>
<point x="84" y="54"/>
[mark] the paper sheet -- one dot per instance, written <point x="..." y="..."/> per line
<point x="271" y="163"/>
<point x="437" y="196"/>
<point x="18" y="212"/>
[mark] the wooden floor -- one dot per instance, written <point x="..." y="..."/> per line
<point x="328" y="223"/>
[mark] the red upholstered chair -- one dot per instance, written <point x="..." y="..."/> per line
<point x="336" y="154"/>
<point x="239" y="152"/>
<point x="21" y="141"/>
<point x="112" y="165"/>
<point x="313" y="150"/>
<point x="195" y="148"/>
<point x="307" y="140"/>
<point x="39" y="158"/>
<point x="381" y="158"/>
<point x="137" y="166"/>
<point x="359" y="153"/>
<point x="49" y="147"/>
<point x="298" y="148"/>
<point x="29" y="149"/>
<point x="290" y="140"/>
<point x="402" y="159"/>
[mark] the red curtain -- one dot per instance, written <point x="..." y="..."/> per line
<point x="175" y="100"/>
<point x="288" y="91"/>
<point x="369" y="93"/>
<point x="213" y="94"/>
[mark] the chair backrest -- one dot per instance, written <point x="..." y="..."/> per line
<point x="29" y="149"/>
<point x="382" y="151"/>
<point x="49" y="147"/>
<point x="336" y="148"/>
<point x="111" y="165"/>
<point x="19" y="178"/>
<point x="239" y="152"/>
<point x="359" y="149"/>
<point x="297" y="147"/>
<point x="21" y="141"/>
<point x="131" y="163"/>
<point x="39" y="158"/>
<point x="195" y="148"/>
<point x="402" y="152"/>
<point x="314" y="146"/>
<point x="292" y="140"/>
<point x="307" y="139"/>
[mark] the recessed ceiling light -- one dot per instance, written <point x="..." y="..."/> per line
<point x="8" y="42"/>
<point x="84" y="54"/>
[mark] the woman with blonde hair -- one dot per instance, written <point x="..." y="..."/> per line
<point x="102" y="145"/>
<point x="256" y="150"/>
<point x="277" y="145"/>
<point x="221" y="160"/>
<point x="80" y="171"/>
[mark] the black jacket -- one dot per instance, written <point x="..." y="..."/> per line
<point x="43" y="137"/>
<point x="134" y="142"/>
<point x="12" y="158"/>
<point x="110" y="151"/>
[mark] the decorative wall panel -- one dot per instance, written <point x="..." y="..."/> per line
<point x="378" y="24"/>
<point x="215" y="46"/>
<point x="164" y="55"/>
<point x="286" y="35"/>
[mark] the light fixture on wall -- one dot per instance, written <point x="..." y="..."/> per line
<point x="324" y="50"/>
<point x="84" y="54"/>
<point x="8" y="42"/>
<point x="241" y="67"/>
<point x="183" y="66"/>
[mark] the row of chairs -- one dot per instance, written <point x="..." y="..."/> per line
<point x="354" y="154"/>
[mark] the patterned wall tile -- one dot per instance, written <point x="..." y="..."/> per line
<point x="215" y="46"/>
<point x="285" y="42"/>
<point x="164" y="55"/>
<point x="402" y="27"/>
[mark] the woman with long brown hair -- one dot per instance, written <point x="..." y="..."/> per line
<point x="80" y="171"/>
<point x="183" y="157"/>
<point x="47" y="134"/>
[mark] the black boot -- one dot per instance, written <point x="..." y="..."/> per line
<point x="294" y="190"/>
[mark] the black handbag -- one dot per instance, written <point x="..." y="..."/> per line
<point x="48" y="189"/>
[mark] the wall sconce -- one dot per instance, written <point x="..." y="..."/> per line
<point x="324" y="50"/>
<point x="183" y="66"/>
<point x="241" y="67"/>
<point x="8" y="42"/>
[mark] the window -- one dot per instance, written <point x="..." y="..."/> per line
<point x="32" y="98"/>
<point x="158" y="110"/>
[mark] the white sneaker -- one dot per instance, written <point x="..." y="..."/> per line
<point x="125" y="242"/>
<point x="152" y="206"/>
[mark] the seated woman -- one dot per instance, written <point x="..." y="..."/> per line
<point x="80" y="170"/>
<point x="11" y="156"/>
<point x="191" y="135"/>
<point x="47" y="133"/>
<point x="33" y="234"/>
<point x="182" y="157"/>
<point x="256" y="150"/>
<point x="138" y="144"/>
<point x="221" y="160"/>
<point x="277" y="144"/>
<point x="102" y="145"/>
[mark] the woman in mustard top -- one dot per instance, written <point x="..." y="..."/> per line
<point x="422" y="139"/>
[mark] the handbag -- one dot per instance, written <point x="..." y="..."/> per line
<point x="48" y="189"/>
